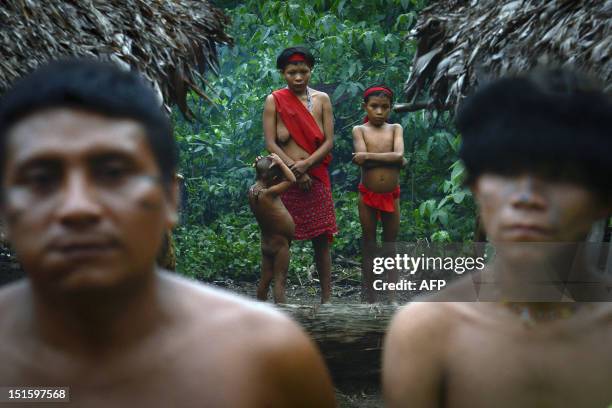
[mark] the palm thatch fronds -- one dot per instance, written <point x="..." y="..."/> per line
<point x="172" y="42"/>
<point x="462" y="43"/>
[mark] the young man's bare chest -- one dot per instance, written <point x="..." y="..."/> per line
<point x="509" y="364"/>
<point x="158" y="374"/>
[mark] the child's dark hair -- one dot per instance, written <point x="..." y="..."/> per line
<point x="283" y="59"/>
<point x="556" y="122"/>
<point x="96" y="87"/>
<point x="377" y="90"/>
<point x="263" y="170"/>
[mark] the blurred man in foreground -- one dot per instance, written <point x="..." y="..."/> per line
<point x="537" y="151"/>
<point x="88" y="190"/>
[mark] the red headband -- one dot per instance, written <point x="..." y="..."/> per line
<point x="373" y="89"/>
<point x="296" y="58"/>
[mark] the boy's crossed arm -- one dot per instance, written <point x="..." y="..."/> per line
<point x="362" y="157"/>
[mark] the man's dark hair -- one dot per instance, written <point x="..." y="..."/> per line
<point x="263" y="170"/>
<point x="283" y="59"/>
<point x="97" y="87"/>
<point x="555" y="122"/>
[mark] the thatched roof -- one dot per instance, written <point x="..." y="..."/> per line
<point x="172" y="42"/>
<point x="461" y="43"/>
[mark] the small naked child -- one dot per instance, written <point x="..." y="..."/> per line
<point x="273" y="177"/>
<point x="379" y="150"/>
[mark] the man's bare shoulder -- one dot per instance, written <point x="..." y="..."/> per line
<point x="11" y="294"/>
<point x="235" y="315"/>
<point x="434" y="318"/>
<point x="12" y="297"/>
<point x="252" y="337"/>
<point x="415" y="350"/>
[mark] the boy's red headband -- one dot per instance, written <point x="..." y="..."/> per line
<point x="373" y="89"/>
<point x="296" y="58"/>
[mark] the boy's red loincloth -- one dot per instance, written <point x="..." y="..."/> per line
<point x="381" y="201"/>
<point x="312" y="211"/>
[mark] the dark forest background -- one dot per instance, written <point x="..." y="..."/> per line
<point x="356" y="44"/>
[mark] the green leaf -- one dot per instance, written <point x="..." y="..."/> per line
<point x="368" y="42"/>
<point x="443" y="217"/>
<point x="458" y="197"/>
<point x="443" y="201"/>
<point x="458" y="171"/>
<point x="429" y="146"/>
<point x="352" y="69"/>
<point x="341" y="8"/>
<point x="427" y="207"/>
<point x="338" y="92"/>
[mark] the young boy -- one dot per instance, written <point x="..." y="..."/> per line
<point x="277" y="226"/>
<point x="379" y="150"/>
<point x="537" y="152"/>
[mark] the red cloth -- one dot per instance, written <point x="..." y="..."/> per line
<point x="312" y="211"/>
<point x="303" y="129"/>
<point x="381" y="201"/>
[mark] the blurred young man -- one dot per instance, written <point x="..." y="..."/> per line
<point x="88" y="190"/>
<point x="537" y="151"/>
<point x="298" y="125"/>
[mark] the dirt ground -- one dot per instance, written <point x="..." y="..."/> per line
<point x="346" y="288"/>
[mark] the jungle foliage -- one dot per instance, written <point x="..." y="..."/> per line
<point x="356" y="44"/>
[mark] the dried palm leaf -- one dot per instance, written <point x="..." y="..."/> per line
<point x="172" y="42"/>
<point x="463" y="43"/>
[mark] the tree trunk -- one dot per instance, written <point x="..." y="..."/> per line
<point x="350" y="337"/>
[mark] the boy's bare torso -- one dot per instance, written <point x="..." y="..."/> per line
<point x="488" y="356"/>
<point x="381" y="178"/>
<point x="283" y="138"/>
<point x="277" y="226"/>
<point x="198" y="359"/>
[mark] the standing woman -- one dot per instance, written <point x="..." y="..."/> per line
<point x="299" y="127"/>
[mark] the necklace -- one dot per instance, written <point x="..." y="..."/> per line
<point x="308" y="99"/>
<point x="530" y="319"/>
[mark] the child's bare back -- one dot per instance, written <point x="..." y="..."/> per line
<point x="275" y="222"/>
